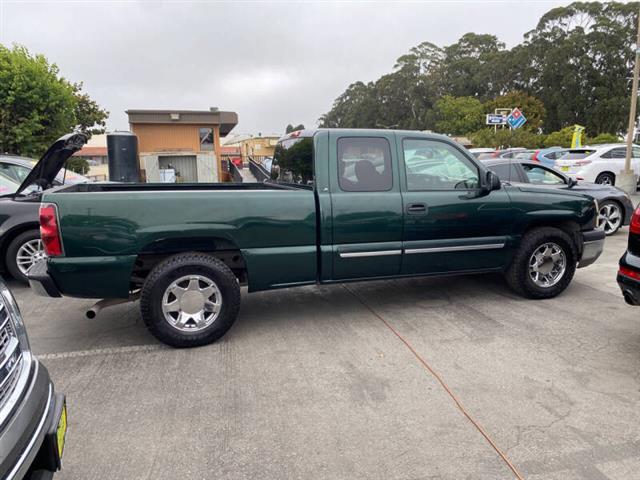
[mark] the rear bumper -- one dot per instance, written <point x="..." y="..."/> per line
<point x="629" y="286"/>
<point x="41" y="282"/>
<point x="592" y="246"/>
<point x="28" y="440"/>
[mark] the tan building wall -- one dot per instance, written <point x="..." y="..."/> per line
<point x="172" y="137"/>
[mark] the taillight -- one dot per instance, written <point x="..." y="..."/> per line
<point x="49" y="231"/>
<point x="582" y="163"/>
<point x="627" y="272"/>
<point x="535" y="156"/>
<point x="634" y="226"/>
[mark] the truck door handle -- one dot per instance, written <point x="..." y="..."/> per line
<point x="417" y="209"/>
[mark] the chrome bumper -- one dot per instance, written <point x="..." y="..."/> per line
<point x="592" y="246"/>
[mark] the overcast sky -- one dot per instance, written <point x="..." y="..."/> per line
<point x="273" y="63"/>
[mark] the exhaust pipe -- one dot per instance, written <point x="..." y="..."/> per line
<point x="108" y="302"/>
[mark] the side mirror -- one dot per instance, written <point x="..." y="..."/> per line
<point x="572" y="182"/>
<point x="493" y="182"/>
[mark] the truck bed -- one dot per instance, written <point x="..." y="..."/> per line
<point x="106" y="228"/>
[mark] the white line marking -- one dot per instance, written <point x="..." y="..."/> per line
<point x="102" y="351"/>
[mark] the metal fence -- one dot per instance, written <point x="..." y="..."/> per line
<point x="235" y="173"/>
<point x="258" y="171"/>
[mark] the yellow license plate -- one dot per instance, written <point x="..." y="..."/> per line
<point x="62" y="430"/>
<point x="564" y="169"/>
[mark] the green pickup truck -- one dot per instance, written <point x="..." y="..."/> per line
<point x="342" y="205"/>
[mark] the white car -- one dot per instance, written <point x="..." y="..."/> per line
<point x="597" y="163"/>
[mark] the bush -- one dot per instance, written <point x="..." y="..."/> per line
<point x="505" y="138"/>
<point x="561" y="138"/>
<point x="603" y="138"/>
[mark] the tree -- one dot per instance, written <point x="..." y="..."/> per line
<point x="532" y="108"/>
<point x="572" y="68"/>
<point x="290" y="128"/>
<point x="458" y="115"/>
<point x="78" y="165"/>
<point x="37" y="105"/>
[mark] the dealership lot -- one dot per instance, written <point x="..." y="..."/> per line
<point x="311" y="383"/>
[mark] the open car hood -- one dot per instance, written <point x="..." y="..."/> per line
<point x="44" y="172"/>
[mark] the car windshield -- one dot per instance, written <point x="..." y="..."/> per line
<point x="7" y="185"/>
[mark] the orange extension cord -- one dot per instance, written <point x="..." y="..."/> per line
<point x="442" y="382"/>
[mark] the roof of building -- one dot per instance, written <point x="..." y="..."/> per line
<point x="213" y="116"/>
<point x="91" y="152"/>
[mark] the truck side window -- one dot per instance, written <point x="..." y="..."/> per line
<point x="364" y="164"/>
<point x="435" y="165"/>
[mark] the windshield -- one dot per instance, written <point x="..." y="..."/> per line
<point x="7" y="185"/>
<point x="293" y="162"/>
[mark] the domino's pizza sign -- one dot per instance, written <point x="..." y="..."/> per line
<point x="516" y="118"/>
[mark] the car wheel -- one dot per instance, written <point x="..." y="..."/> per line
<point x="610" y="217"/>
<point x="544" y="264"/>
<point x="190" y="299"/>
<point x="23" y="253"/>
<point x="606" y="178"/>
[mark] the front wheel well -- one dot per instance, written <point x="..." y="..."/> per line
<point x="569" y="227"/>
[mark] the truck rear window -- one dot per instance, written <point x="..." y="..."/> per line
<point x="293" y="162"/>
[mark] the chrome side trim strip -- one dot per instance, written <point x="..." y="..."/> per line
<point x="380" y="253"/>
<point x="461" y="248"/>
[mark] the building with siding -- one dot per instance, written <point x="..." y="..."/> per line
<point x="187" y="141"/>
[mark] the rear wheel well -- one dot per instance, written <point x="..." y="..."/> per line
<point x="219" y="248"/>
<point x="10" y="235"/>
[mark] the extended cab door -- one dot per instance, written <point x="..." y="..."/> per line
<point x="450" y="223"/>
<point x="366" y="205"/>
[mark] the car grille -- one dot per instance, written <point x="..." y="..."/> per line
<point x="10" y="356"/>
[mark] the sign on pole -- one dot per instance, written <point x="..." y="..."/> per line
<point x="496" y="119"/>
<point x="516" y="119"/>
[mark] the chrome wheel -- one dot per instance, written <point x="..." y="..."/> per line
<point x="547" y="265"/>
<point x="609" y="218"/>
<point x="605" y="179"/>
<point x="28" y="254"/>
<point x="191" y="303"/>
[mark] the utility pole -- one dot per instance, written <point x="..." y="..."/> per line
<point x="628" y="181"/>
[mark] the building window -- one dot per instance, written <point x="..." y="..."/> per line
<point x="206" y="139"/>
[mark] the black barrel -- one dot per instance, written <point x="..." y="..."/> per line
<point x="122" y="154"/>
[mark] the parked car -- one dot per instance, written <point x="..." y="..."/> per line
<point x="598" y="163"/>
<point x="501" y="153"/>
<point x="629" y="269"/>
<point x="548" y="156"/>
<point x="33" y="416"/>
<point x="615" y="206"/>
<point x="19" y="228"/>
<point x="18" y="168"/>
<point x="481" y="150"/>
<point x="397" y="213"/>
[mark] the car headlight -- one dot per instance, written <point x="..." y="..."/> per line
<point x="9" y="304"/>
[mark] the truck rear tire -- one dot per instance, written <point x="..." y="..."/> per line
<point x="189" y="300"/>
<point x="544" y="264"/>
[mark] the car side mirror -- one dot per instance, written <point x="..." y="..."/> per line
<point x="572" y="182"/>
<point x="493" y="181"/>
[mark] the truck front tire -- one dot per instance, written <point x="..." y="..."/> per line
<point x="544" y="264"/>
<point x="189" y="300"/>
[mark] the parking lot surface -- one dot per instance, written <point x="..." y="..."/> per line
<point x="311" y="383"/>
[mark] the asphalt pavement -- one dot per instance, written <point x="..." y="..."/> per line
<point x="314" y="383"/>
